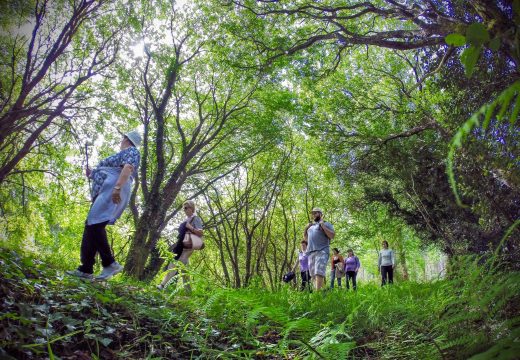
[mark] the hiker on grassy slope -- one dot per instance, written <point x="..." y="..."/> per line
<point x="352" y="265"/>
<point x="303" y="261"/>
<point x="192" y="224"/>
<point x="386" y="264"/>
<point x="337" y="267"/>
<point x="318" y="233"/>
<point x="110" y="192"/>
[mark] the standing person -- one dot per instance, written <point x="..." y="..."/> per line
<point x="303" y="260"/>
<point x="386" y="264"/>
<point x="110" y="192"/>
<point x="337" y="266"/>
<point x="352" y="265"/>
<point x="318" y="233"/>
<point x="192" y="224"/>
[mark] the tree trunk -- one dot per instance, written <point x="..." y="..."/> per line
<point x="147" y="233"/>
<point x="402" y="261"/>
<point x="402" y="254"/>
<point x="138" y="252"/>
<point x="154" y="264"/>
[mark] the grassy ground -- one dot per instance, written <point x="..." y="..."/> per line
<point x="45" y="314"/>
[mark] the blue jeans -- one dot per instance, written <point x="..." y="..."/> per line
<point x="332" y="277"/>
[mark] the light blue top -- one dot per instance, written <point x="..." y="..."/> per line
<point x="386" y="258"/>
<point x="317" y="239"/>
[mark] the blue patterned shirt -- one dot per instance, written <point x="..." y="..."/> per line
<point x="129" y="156"/>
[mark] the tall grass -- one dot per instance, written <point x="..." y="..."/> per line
<point x="471" y="314"/>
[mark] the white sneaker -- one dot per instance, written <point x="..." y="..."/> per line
<point x="109" y="271"/>
<point x="79" y="274"/>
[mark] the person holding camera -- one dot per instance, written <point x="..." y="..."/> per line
<point x="318" y="234"/>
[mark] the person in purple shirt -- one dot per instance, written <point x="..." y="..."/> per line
<point x="303" y="260"/>
<point x="352" y="266"/>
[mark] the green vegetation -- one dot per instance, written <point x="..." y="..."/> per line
<point x="399" y="118"/>
<point x="472" y="315"/>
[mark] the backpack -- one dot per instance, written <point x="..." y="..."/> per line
<point x="288" y="277"/>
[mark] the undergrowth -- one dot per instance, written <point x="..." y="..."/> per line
<point x="472" y="314"/>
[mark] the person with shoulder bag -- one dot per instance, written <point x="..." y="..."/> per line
<point x="337" y="268"/>
<point x="188" y="240"/>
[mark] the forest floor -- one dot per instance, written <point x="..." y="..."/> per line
<point x="47" y="315"/>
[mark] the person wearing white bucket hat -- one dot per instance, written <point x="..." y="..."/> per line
<point x="134" y="137"/>
<point x="112" y="181"/>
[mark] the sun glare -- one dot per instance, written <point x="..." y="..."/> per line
<point x="138" y="49"/>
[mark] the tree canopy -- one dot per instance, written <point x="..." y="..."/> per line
<point x="399" y="118"/>
<point x="260" y="111"/>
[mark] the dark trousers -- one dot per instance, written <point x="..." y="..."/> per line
<point x="306" y="280"/>
<point x="95" y="241"/>
<point x="351" y="275"/>
<point x="387" y="271"/>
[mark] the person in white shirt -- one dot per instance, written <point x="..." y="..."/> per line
<point x="386" y="264"/>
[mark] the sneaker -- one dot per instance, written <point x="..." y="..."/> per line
<point x="109" y="271"/>
<point x="80" y="274"/>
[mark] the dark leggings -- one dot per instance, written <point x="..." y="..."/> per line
<point x="95" y="241"/>
<point x="387" y="271"/>
<point x="351" y="275"/>
<point x="306" y="278"/>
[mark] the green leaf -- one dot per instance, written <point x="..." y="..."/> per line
<point x="489" y="111"/>
<point x="516" y="11"/>
<point x="135" y="23"/>
<point x="105" y="341"/>
<point x="455" y="39"/>
<point x="514" y="114"/>
<point x="477" y="34"/>
<point x="494" y="44"/>
<point x="505" y="100"/>
<point x="469" y="58"/>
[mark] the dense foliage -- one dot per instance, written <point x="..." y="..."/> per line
<point x="398" y="118"/>
<point x="472" y="315"/>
